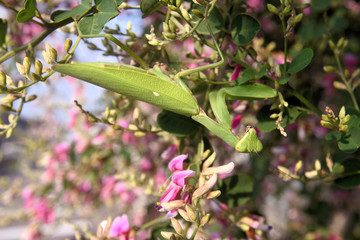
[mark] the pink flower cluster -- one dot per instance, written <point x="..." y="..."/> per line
<point x="40" y="207"/>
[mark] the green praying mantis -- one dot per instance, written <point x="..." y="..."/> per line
<point x="172" y="94"/>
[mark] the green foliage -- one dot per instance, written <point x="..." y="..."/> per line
<point x="235" y="190"/>
<point x="93" y="24"/>
<point x="148" y="6"/>
<point x="215" y="20"/>
<point x="75" y="13"/>
<point x="348" y="172"/>
<point x="3" y="31"/>
<point x="244" y="28"/>
<point x="267" y="124"/>
<point x="301" y="61"/>
<point x="176" y="124"/>
<point x="219" y="108"/>
<point x="28" y="12"/>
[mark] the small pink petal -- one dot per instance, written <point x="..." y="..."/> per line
<point x="176" y="164"/>
<point x="179" y="177"/>
<point x="119" y="226"/>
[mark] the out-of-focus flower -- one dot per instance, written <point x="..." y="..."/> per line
<point x="169" y="153"/>
<point x="61" y="150"/>
<point x="351" y="60"/>
<point x="120" y="227"/>
<point x="177" y="182"/>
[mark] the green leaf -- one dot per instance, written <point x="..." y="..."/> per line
<point x="320" y="5"/>
<point x="75" y="13"/>
<point x="244" y="28"/>
<point x="265" y="123"/>
<point x="349" y="171"/>
<point x="220" y="110"/>
<point x="250" y="92"/>
<point x="350" y="142"/>
<point x="148" y="6"/>
<point x="249" y="143"/>
<point x="119" y="2"/>
<point x="235" y="190"/>
<point x="247" y="75"/>
<point x="28" y="12"/>
<point x="261" y="72"/>
<point x="176" y="124"/>
<point x="134" y="82"/>
<point x="93" y="24"/>
<point x="283" y="80"/>
<point x="333" y="136"/>
<point x="3" y="30"/>
<point x="301" y="60"/>
<point x="216" y="21"/>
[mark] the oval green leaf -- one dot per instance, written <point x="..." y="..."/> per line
<point x="301" y="60"/>
<point x="250" y="92"/>
<point x="244" y="28"/>
<point x="215" y="21"/>
<point x="176" y="124"/>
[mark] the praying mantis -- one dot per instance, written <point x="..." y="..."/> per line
<point x="172" y="94"/>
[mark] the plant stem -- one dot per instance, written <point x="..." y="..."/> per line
<point x="153" y="222"/>
<point x="306" y="102"/>
<point x="347" y="85"/>
<point x="35" y="41"/>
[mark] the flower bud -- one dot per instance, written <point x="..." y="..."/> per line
<point x="67" y="45"/>
<point x="184" y="215"/>
<point x="317" y="165"/>
<point x="165" y="28"/>
<point x="168" y="235"/>
<point x="342" y="112"/>
<point x="206" y="187"/>
<point x="185" y="14"/>
<point x="30" y="98"/>
<point x="197" y="13"/>
<point x="27" y="64"/>
<point x="326" y="124"/>
<point x="172" y="7"/>
<point x="340" y="43"/>
<point x="346" y="119"/>
<point x="311" y="174"/>
<point x="178" y="3"/>
<point x="329" y="69"/>
<point x="343" y="128"/>
<point x="46" y="57"/>
<point x="204" y="220"/>
<point x="35" y="77"/>
<point x="332" y="45"/>
<point x="168" y="206"/>
<point x="298" y="166"/>
<point x="298" y="18"/>
<point x="172" y="26"/>
<point x="224" y="169"/>
<point x="169" y="35"/>
<point x="209" y="161"/>
<point x="286" y="10"/>
<point x="339" y="85"/>
<point x="20" y="68"/>
<point x="2" y="78"/>
<point x="176" y="225"/>
<point x="38" y="67"/>
<point x="190" y="212"/>
<point x="272" y="8"/>
<point x="213" y="194"/>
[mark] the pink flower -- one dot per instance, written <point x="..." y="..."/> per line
<point x="236" y="72"/>
<point x="350" y="61"/>
<point x="61" y="150"/>
<point x="169" y="153"/>
<point x="236" y="121"/>
<point x="120" y="227"/>
<point x="177" y="182"/>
